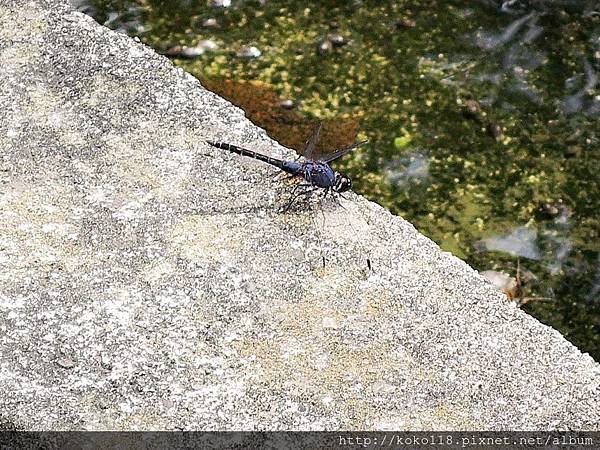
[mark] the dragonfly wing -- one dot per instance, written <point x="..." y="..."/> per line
<point x="335" y="155"/>
<point x="309" y="149"/>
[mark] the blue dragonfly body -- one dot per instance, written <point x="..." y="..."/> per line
<point x="314" y="169"/>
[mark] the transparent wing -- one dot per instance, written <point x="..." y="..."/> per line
<point x="336" y="154"/>
<point x="309" y="149"/>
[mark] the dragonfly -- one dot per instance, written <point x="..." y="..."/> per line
<point x="314" y="169"/>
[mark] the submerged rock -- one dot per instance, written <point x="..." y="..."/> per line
<point x="472" y="110"/>
<point x="405" y="24"/>
<point x="219" y="3"/>
<point x="337" y="39"/>
<point x="210" y="22"/>
<point x="495" y="131"/>
<point x="180" y="51"/>
<point x="324" y="47"/>
<point x="248" y="52"/>
<point x="287" y="104"/>
<point x="208" y="45"/>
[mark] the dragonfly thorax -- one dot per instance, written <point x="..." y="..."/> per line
<point x="322" y="175"/>
<point x="319" y="174"/>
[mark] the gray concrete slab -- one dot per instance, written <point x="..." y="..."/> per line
<point x="148" y="281"/>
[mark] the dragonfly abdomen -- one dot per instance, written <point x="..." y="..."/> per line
<point x="251" y="154"/>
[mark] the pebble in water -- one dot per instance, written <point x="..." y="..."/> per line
<point x="208" y="45"/>
<point x="248" y="52"/>
<point x="324" y="47"/>
<point x="179" y="51"/>
<point x="219" y="3"/>
<point x="210" y="22"/>
<point x="405" y="24"/>
<point x="287" y="104"/>
<point x="336" y="39"/>
<point x="495" y="131"/>
<point x="472" y="110"/>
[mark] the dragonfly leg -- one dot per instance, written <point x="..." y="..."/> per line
<point x="294" y="196"/>
<point x="335" y="195"/>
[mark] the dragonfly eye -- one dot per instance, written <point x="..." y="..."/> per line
<point x="342" y="183"/>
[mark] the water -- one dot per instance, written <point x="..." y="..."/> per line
<point x="482" y="117"/>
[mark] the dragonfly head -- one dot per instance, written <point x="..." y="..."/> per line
<point x="342" y="183"/>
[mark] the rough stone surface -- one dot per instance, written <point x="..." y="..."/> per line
<point x="148" y="281"/>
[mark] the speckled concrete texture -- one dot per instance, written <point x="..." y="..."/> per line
<point x="149" y="281"/>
